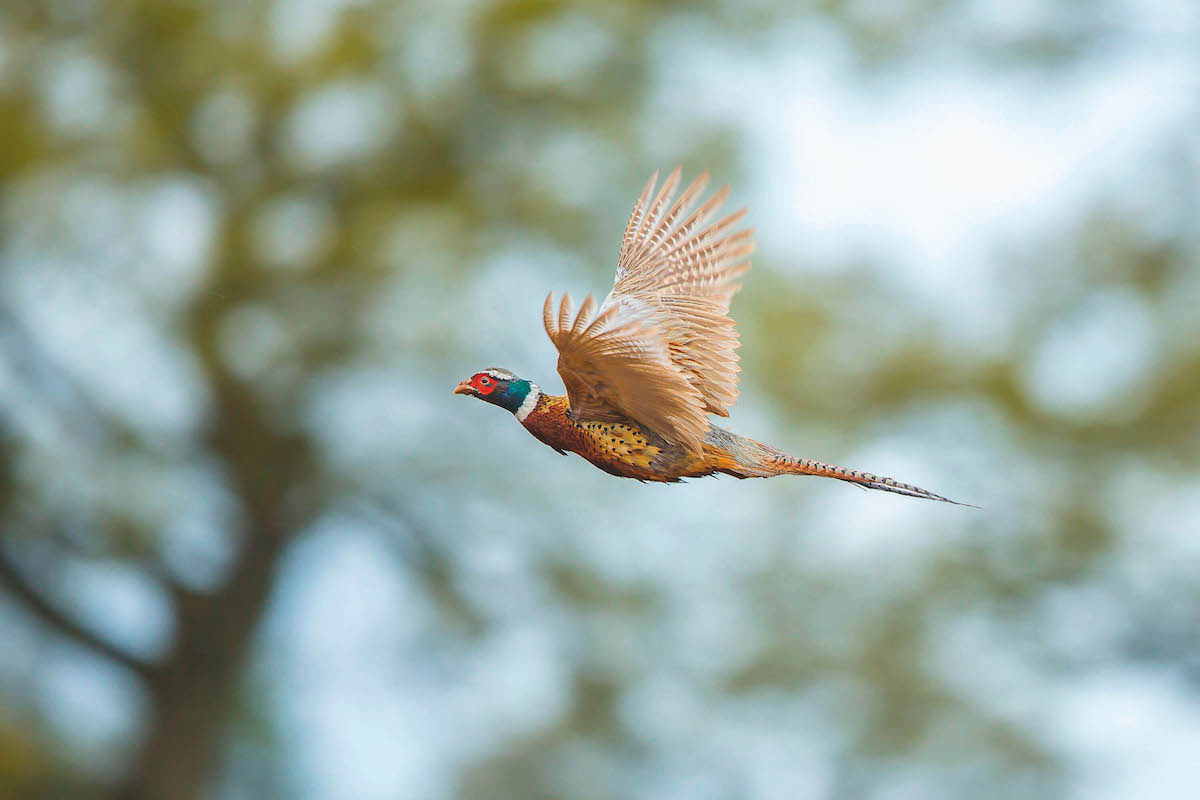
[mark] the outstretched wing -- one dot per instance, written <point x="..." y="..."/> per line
<point x="685" y="269"/>
<point x="661" y="349"/>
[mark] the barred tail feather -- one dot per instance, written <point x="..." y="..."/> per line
<point x="804" y="466"/>
<point x="741" y="457"/>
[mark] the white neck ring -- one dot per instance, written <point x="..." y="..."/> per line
<point x="530" y="401"/>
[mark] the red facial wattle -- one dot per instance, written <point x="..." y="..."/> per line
<point x="484" y="384"/>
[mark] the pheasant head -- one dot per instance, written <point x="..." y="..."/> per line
<point x="502" y="388"/>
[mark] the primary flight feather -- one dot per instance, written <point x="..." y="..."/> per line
<point x="644" y="368"/>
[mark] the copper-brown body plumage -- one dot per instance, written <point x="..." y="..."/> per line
<point x="628" y="450"/>
<point x="644" y="368"/>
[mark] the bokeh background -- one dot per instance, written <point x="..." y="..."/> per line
<point x="252" y="548"/>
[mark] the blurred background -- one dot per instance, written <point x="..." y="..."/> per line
<point x="250" y="546"/>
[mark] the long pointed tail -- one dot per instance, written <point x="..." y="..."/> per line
<point x="804" y="466"/>
<point x="746" y="458"/>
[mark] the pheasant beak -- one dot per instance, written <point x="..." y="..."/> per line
<point x="463" y="387"/>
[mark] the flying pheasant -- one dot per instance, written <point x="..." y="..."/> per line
<point x="646" y="367"/>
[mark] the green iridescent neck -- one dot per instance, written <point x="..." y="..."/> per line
<point x="513" y="395"/>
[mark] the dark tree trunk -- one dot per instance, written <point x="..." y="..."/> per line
<point x="194" y="691"/>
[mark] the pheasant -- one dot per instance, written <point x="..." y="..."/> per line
<point x="645" y="368"/>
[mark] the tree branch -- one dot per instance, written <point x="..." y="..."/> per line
<point x="15" y="583"/>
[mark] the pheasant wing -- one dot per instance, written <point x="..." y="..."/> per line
<point x="661" y="349"/>
<point x="616" y="364"/>
<point x="679" y="266"/>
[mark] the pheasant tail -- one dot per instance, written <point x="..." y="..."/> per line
<point x="746" y="458"/>
<point x="804" y="466"/>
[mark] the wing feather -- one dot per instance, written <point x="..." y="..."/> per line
<point x="650" y="220"/>
<point x="635" y="219"/>
<point x="686" y="266"/>
<point x="661" y="348"/>
<point x="618" y="366"/>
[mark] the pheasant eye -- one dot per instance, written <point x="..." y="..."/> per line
<point x="484" y="381"/>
